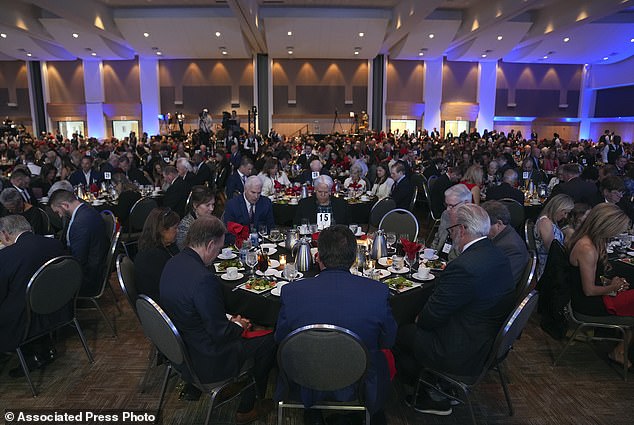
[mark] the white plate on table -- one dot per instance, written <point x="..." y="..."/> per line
<point x="230" y="257"/>
<point x="269" y="245"/>
<point x="282" y="244"/>
<point x="630" y="253"/>
<point x="424" y="279"/>
<point x="384" y="273"/>
<point x="401" y="271"/>
<point x="384" y="261"/>
<point x="268" y="272"/>
<point x="422" y="257"/>
<point x="277" y="291"/>
<point x="217" y="267"/>
<point x="225" y="276"/>
<point x="271" y="251"/>
<point x="243" y="286"/>
<point x="273" y="263"/>
<point x="280" y="274"/>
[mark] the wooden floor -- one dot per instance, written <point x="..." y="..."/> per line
<point x="583" y="389"/>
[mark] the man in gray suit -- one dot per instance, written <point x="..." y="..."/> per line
<point x="506" y="238"/>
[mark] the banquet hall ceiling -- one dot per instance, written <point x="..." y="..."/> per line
<point x="541" y="31"/>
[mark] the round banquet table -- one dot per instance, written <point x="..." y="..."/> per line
<point x="263" y="309"/>
<point x="358" y="212"/>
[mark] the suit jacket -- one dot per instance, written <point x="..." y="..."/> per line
<point x="148" y="266"/>
<point x="77" y="177"/>
<point x="579" y="190"/>
<point x="136" y="175"/>
<point x="176" y="196"/>
<point x="307" y="208"/>
<point x="511" y="244"/>
<point x="203" y="175"/>
<point x="18" y="263"/>
<point x="402" y="193"/>
<point x="89" y="244"/>
<point x="356" y="303"/>
<point x="504" y="190"/>
<point x="236" y="211"/>
<point x="307" y="176"/>
<point x="437" y="194"/>
<point x="234" y="185"/>
<point x="196" y="306"/>
<point x="460" y="320"/>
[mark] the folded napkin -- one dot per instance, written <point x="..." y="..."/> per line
<point x="354" y="185"/>
<point x="410" y="248"/>
<point x="277" y="185"/>
<point x="238" y="230"/>
<point x="255" y="333"/>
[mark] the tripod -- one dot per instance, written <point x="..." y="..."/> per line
<point x="335" y="121"/>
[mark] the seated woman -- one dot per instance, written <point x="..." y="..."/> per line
<point x="128" y="194"/>
<point x="383" y="184"/>
<point x="547" y="227"/>
<point x="355" y="181"/>
<point x="588" y="258"/>
<point x="201" y="204"/>
<point x="156" y="247"/>
<point x="575" y="219"/>
<point x="269" y="177"/>
<point x="473" y="178"/>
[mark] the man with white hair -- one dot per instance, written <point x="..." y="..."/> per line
<point x="176" y="192"/>
<point x="185" y="172"/>
<point x="322" y="202"/>
<point x="458" y="324"/>
<point x="250" y="208"/>
<point x="315" y="170"/>
<point x="454" y="196"/>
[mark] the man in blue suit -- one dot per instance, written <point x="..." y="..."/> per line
<point x="86" y="237"/>
<point x="235" y="182"/>
<point x="85" y="175"/>
<point x="249" y="208"/>
<point x="356" y="303"/>
<point x="402" y="189"/>
<point x="455" y="330"/>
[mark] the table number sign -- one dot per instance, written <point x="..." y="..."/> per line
<point x="324" y="220"/>
<point x="106" y="175"/>
<point x="315" y="174"/>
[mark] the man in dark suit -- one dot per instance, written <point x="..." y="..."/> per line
<point x="202" y="173"/>
<point x="333" y="297"/>
<point x="506" y="189"/>
<point x="322" y="202"/>
<point x="438" y="186"/>
<point x="86" y="237"/>
<point x="581" y="191"/>
<point x="402" y="189"/>
<point x="196" y="305"/>
<point x="85" y="174"/>
<point x="506" y="238"/>
<point x="315" y="170"/>
<point x="131" y="172"/>
<point x="250" y="208"/>
<point x="20" y="180"/>
<point x="235" y="158"/>
<point x="457" y="326"/>
<point x="235" y="182"/>
<point x="612" y="190"/>
<point x="24" y="254"/>
<point x="177" y="192"/>
<point x="304" y="159"/>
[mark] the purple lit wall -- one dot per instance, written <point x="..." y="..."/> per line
<point x="615" y="102"/>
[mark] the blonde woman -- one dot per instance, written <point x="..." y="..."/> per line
<point x="588" y="260"/>
<point x="547" y="228"/>
<point x="473" y="178"/>
<point x="355" y="181"/>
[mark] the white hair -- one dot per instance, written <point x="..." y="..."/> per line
<point x="252" y="181"/>
<point x="323" y="179"/>
<point x="184" y="162"/>
<point x="460" y="192"/>
<point x="474" y="219"/>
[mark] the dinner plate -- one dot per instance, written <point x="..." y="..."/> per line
<point x="243" y="286"/>
<point x="409" y="288"/>
<point x="280" y="274"/>
<point x="424" y="279"/>
<point x="225" y="276"/>
<point x="268" y="272"/>
<point x="282" y="245"/>
<point x="630" y="253"/>
<point x="384" y="261"/>
<point x="401" y="271"/>
<point x="384" y="273"/>
<point x="230" y="257"/>
<point x="271" y="251"/>
<point x="217" y="267"/>
<point x="277" y="291"/>
<point x="268" y="245"/>
<point x="435" y="257"/>
<point x="273" y="263"/>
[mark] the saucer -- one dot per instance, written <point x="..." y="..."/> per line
<point x="268" y="272"/>
<point x="417" y="277"/>
<point x="401" y="271"/>
<point x="273" y="263"/>
<point x="225" y="276"/>
<point x="230" y="257"/>
<point x="434" y="258"/>
<point x="277" y="291"/>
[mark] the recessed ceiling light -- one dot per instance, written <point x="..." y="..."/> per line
<point x="218" y="34"/>
<point x="146" y="34"/>
<point x="605" y="58"/>
<point x="29" y="55"/>
<point x="631" y="40"/>
<point x="94" y="54"/>
<point x="75" y="35"/>
<point x="566" y="39"/>
<point x="3" y="35"/>
<point x="289" y="33"/>
<point x="484" y="55"/>
<point x="356" y="53"/>
<point x="421" y="54"/>
<point x="431" y="35"/>
<point x="159" y="53"/>
<point x="224" y="52"/>
<point x="290" y="50"/>
<point x="500" y="37"/>
<point x="361" y="34"/>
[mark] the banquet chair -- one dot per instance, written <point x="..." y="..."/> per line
<point x="322" y="357"/>
<point x="517" y="213"/>
<point x="51" y="288"/>
<point x="379" y="209"/>
<point x="525" y="284"/>
<point x="506" y="337"/>
<point x="110" y="221"/>
<point x="46" y="221"/>
<point x="412" y="203"/>
<point x="160" y="329"/>
<point x="432" y="215"/>
<point x="624" y="324"/>
<point x="529" y="235"/>
<point x="400" y="221"/>
<point x="138" y="214"/>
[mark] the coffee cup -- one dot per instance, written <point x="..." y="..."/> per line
<point x="423" y="272"/>
<point x="428" y="253"/>
<point x="397" y="262"/>
<point x="232" y="272"/>
<point x="226" y="252"/>
<point x="353" y="228"/>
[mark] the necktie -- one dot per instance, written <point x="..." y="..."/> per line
<point x="251" y="212"/>
<point x="25" y="195"/>
<point x="244" y="180"/>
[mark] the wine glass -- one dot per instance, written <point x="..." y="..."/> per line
<point x="274" y="235"/>
<point x="390" y="238"/>
<point x="252" y="260"/>
<point x="410" y="259"/>
<point x="368" y="268"/>
<point x="290" y="272"/>
<point x="263" y="230"/>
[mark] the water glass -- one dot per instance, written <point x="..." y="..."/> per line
<point x="263" y="230"/>
<point x="252" y="260"/>
<point x="274" y="235"/>
<point x="290" y="272"/>
<point x="390" y="238"/>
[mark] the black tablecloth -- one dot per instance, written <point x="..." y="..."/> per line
<point x="263" y="309"/>
<point x="358" y="213"/>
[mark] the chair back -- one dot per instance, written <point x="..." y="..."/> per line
<point x="517" y="212"/>
<point x="46" y="222"/>
<point x="431" y="180"/>
<point x="523" y="287"/>
<point x="400" y="221"/>
<point x="110" y="221"/>
<point x="139" y="213"/>
<point x="414" y="197"/>
<point x="108" y="262"/>
<point x="125" y="275"/>
<point x="529" y="234"/>
<point x="427" y="190"/>
<point x="514" y="325"/>
<point x="323" y="357"/>
<point x="379" y="209"/>
<point x="54" y="285"/>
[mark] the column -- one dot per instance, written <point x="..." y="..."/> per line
<point x="94" y="93"/>
<point x="263" y="96"/>
<point x="379" y="92"/>
<point x="587" y="102"/>
<point x="150" y="94"/>
<point x="36" y="97"/>
<point x="432" y="93"/>
<point x="487" y="80"/>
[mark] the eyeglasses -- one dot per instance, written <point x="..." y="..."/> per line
<point x="617" y="193"/>
<point x="451" y="206"/>
<point x="455" y="225"/>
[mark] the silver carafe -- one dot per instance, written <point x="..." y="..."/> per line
<point x="292" y="236"/>
<point x="379" y="245"/>
<point x="303" y="259"/>
<point x="304" y="191"/>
